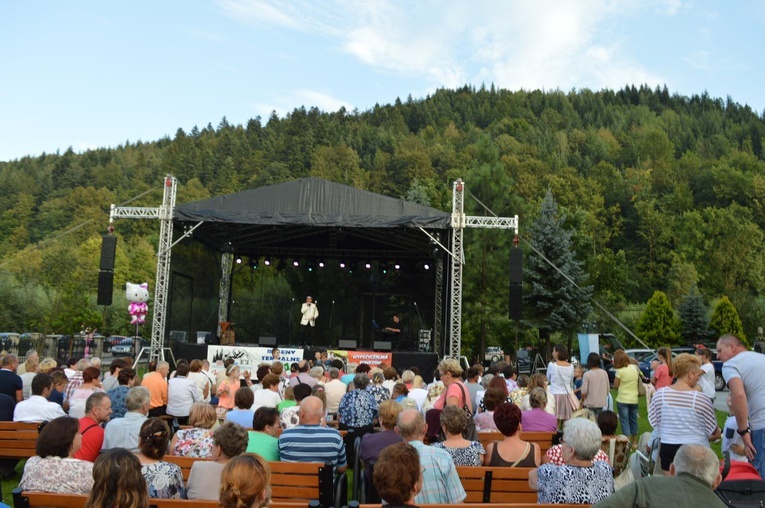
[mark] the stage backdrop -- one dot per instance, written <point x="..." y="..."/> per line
<point x="248" y="358"/>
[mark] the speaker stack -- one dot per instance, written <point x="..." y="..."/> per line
<point x="515" y="296"/>
<point x="106" y="271"/>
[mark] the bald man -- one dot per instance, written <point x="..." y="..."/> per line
<point x="310" y="442"/>
<point x="440" y="482"/>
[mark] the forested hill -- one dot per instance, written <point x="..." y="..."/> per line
<point x="662" y="192"/>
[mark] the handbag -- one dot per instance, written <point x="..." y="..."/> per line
<point x="470" y="433"/>
<point x="641" y="383"/>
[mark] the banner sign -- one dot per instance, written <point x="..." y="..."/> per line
<point x="371" y="358"/>
<point x="588" y="342"/>
<point x="248" y="358"/>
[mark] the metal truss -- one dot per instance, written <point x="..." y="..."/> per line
<point x="439" y="306"/>
<point x="133" y="212"/>
<point x="459" y="222"/>
<point x="164" y="248"/>
<point x="455" y="288"/>
<point x="226" y="267"/>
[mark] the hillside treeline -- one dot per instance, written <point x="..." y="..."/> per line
<point x="661" y="192"/>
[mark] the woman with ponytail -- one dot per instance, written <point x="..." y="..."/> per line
<point x="245" y="482"/>
<point x="164" y="479"/>
<point x="118" y="482"/>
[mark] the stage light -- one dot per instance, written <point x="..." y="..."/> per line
<point x="397" y="266"/>
<point x="311" y="265"/>
<point x="321" y="263"/>
<point x="352" y="267"/>
<point x="267" y="261"/>
<point x="367" y="265"/>
<point x="384" y="267"/>
<point x="238" y="260"/>
<point x="426" y="266"/>
<point x="342" y="264"/>
<point x="295" y="262"/>
<point x="254" y="264"/>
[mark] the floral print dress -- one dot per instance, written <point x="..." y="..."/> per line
<point x="195" y="442"/>
<point x="164" y="480"/>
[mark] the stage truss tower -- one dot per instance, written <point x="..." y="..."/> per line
<point x="460" y="221"/>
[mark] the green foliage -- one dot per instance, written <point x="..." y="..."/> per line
<point x="660" y="192"/>
<point x="694" y="318"/>
<point x="550" y="300"/>
<point x="725" y="319"/>
<point x="658" y="325"/>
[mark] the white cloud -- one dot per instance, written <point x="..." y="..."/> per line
<point x="322" y="101"/>
<point x="298" y="98"/>
<point x="542" y="44"/>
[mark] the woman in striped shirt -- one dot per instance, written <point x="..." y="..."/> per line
<point x="681" y="412"/>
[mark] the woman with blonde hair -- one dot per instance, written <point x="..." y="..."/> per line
<point x="117" y="481"/>
<point x="682" y="413"/>
<point x="538" y="381"/>
<point x="626" y="383"/>
<point x="244" y="482"/>
<point x="197" y="441"/>
<point x="462" y="451"/>
<point x="455" y="392"/>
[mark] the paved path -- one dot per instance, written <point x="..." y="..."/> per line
<point x="720" y="403"/>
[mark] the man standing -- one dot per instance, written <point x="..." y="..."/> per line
<point x="98" y="410"/>
<point x="156" y="383"/>
<point x="123" y="432"/>
<point x="440" y="481"/>
<point x="37" y="408"/>
<point x="76" y="379"/>
<point x="310" y="442"/>
<point x="10" y="382"/>
<point x="694" y="475"/>
<point x="181" y="394"/>
<point x="743" y="371"/>
<point x="310" y="312"/>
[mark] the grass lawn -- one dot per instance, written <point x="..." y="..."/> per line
<point x="644" y="426"/>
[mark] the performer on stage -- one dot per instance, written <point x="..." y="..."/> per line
<point x="310" y="312"/>
<point x="395" y="327"/>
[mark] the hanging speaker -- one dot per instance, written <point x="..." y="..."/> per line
<point x="105" y="287"/>
<point x="108" y="249"/>
<point x="516" y="265"/>
<point x="515" y="302"/>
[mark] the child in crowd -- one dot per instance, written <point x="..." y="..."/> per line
<point x="731" y="441"/>
<point x="59" y="383"/>
<point x="578" y="373"/>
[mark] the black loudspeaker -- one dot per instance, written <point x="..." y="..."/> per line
<point x="516" y="265"/>
<point x="105" y="287"/>
<point x="267" y="341"/>
<point x="346" y="344"/>
<point x="515" y="302"/>
<point x="108" y="249"/>
<point x="382" y="345"/>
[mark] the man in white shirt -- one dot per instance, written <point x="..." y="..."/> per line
<point x="123" y="432"/>
<point x="181" y="394"/>
<point x="38" y="408"/>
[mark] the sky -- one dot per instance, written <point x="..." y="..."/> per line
<point x="88" y="74"/>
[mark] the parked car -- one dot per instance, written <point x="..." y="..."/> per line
<point x="125" y="346"/>
<point x="493" y="354"/>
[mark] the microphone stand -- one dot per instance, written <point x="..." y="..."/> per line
<point x="422" y="324"/>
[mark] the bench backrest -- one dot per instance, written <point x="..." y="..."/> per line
<point x="18" y="439"/>
<point x="543" y="439"/>
<point x="496" y="484"/>
<point x="481" y="505"/>
<point x="23" y="499"/>
<point x="290" y="481"/>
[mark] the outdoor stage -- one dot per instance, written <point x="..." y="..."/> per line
<point x="400" y="360"/>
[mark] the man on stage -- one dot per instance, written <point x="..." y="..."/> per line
<point x="395" y="327"/>
<point x="307" y="323"/>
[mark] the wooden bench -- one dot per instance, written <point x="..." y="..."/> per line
<point x="496" y="484"/>
<point x="354" y="504"/>
<point x="23" y="499"/>
<point x="290" y="481"/>
<point x="543" y="439"/>
<point x="18" y="440"/>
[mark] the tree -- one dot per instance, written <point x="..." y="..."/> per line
<point x="658" y="325"/>
<point x="694" y="318"/>
<point x="549" y="298"/>
<point x="725" y="319"/>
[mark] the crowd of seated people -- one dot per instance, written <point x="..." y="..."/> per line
<point x="581" y="469"/>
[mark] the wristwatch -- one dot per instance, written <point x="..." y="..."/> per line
<point x="747" y="430"/>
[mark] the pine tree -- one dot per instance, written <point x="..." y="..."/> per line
<point x="725" y="319"/>
<point x="658" y="325"/>
<point x="550" y="300"/>
<point x="694" y="318"/>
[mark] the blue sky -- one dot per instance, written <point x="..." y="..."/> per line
<point x="91" y="74"/>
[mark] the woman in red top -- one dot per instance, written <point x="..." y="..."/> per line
<point x="663" y="374"/>
<point x="455" y="392"/>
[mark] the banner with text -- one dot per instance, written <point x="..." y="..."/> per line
<point x="248" y="358"/>
<point x="371" y="358"/>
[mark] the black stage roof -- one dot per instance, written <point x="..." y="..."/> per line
<point x="313" y="217"/>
